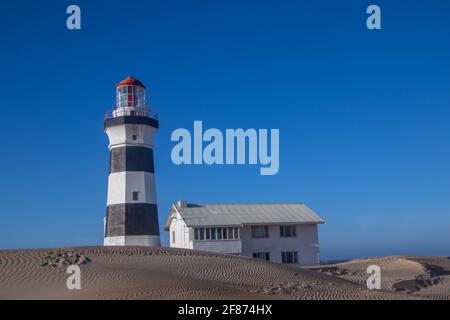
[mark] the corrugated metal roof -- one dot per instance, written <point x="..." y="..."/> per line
<point x="241" y="214"/>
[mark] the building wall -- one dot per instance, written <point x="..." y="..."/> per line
<point x="180" y="236"/>
<point x="306" y="244"/>
<point x="123" y="135"/>
<point x="121" y="186"/>
<point x="222" y="246"/>
<point x="131" y="221"/>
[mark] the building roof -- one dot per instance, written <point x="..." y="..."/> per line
<point x="130" y="81"/>
<point x="246" y="214"/>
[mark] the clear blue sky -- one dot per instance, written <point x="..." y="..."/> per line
<point x="364" y="116"/>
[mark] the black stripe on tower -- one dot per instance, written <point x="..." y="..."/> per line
<point x="131" y="158"/>
<point x="110" y="122"/>
<point x="132" y="219"/>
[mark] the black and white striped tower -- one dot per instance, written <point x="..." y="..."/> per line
<point x="131" y="215"/>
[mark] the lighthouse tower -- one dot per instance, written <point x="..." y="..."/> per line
<point x="131" y="215"/>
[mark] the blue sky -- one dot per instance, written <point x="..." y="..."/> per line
<point x="363" y="115"/>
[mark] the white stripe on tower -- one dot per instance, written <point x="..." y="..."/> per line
<point x="121" y="186"/>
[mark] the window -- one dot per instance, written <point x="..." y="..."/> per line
<point x="260" y="232"/>
<point x="173" y="236"/>
<point x="262" y="255"/>
<point x="224" y="233"/>
<point x="230" y="233"/>
<point x="135" y="195"/>
<point x="288" y="231"/>
<point x="134" y="137"/>
<point x="236" y="233"/>
<point x="289" y="257"/>
<point x="219" y="233"/>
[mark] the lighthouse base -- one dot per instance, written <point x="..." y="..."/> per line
<point x="147" y="241"/>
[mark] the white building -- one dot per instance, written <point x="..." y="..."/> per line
<point x="284" y="233"/>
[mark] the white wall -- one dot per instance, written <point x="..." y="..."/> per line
<point x="184" y="238"/>
<point x="153" y="241"/>
<point x="123" y="134"/>
<point x="121" y="186"/>
<point x="222" y="246"/>
<point x="183" y="234"/>
<point x="306" y="244"/>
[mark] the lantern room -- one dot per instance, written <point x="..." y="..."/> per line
<point x="130" y="100"/>
<point x="130" y="94"/>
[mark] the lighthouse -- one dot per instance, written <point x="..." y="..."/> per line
<point x="131" y="215"/>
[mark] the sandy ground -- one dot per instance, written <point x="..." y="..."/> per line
<point x="168" y="273"/>
<point x="425" y="277"/>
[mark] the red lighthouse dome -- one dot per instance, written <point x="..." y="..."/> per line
<point x="130" y="81"/>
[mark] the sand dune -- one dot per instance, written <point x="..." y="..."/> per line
<point x="167" y="273"/>
<point x="425" y="277"/>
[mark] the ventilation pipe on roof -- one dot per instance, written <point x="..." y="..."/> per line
<point x="182" y="204"/>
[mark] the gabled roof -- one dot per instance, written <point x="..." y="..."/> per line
<point x="246" y="214"/>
